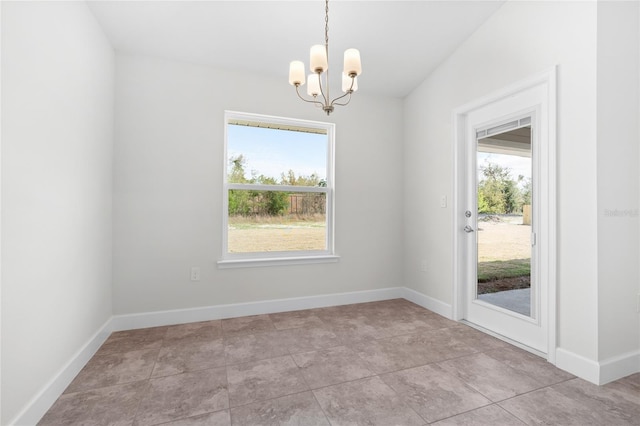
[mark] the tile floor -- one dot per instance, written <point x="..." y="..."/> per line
<point x="381" y="363"/>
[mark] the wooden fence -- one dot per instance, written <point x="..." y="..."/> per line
<point x="307" y="204"/>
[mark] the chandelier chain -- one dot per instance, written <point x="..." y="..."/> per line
<point x="326" y="24"/>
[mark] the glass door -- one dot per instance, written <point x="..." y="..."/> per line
<point x="502" y="292"/>
<point x="504" y="219"/>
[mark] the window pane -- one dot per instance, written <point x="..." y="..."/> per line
<point x="270" y="221"/>
<point x="274" y="156"/>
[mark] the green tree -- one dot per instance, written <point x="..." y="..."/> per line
<point x="526" y="191"/>
<point x="239" y="200"/>
<point x="268" y="203"/>
<point x="512" y="197"/>
<point x="237" y="169"/>
<point x="490" y="197"/>
<point x="498" y="193"/>
<point x="290" y="178"/>
<point x="271" y="203"/>
<point x="239" y="203"/>
<point x="250" y="202"/>
<point x="276" y="202"/>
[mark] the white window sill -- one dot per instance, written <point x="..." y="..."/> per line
<point x="276" y="261"/>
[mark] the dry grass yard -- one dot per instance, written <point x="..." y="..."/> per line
<point x="503" y="241"/>
<point x="504" y="255"/>
<point x="250" y="235"/>
<point x="504" y="249"/>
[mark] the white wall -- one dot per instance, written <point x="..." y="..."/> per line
<point x="57" y="129"/>
<point x="618" y="189"/>
<point x="168" y="189"/>
<point x="519" y="40"/>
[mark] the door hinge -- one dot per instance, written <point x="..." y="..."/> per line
<point x="533" y="239"/>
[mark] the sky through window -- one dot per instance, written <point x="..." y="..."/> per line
<point x="271" y="152"/>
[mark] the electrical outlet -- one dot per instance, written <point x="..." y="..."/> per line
<point x="423" y="266"/>
<point x="195" y="273"/>
<point x="443" y="201"/>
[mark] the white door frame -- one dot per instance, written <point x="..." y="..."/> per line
<point x="547" y="218"/>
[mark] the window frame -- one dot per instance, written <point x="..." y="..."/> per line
<point x="274" y="258"/>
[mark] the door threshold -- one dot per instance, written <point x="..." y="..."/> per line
<point x="505" y="339"/>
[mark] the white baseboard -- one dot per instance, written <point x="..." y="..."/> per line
<point x="208" y="313"/>
<point x="578" y="365"/>
<point x="620" y="366"/>
<point x="51" y="391"/>
<point x="599" y="373"/>
<point x="427" y="302"/>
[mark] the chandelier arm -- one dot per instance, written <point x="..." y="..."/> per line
<point x="320" y="104"/>
<point x="324" y="96"/>
<point x="349" y="92"/>
<point x="342" y="104"/>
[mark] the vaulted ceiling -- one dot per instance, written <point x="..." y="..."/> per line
<point x="400" y="42"/>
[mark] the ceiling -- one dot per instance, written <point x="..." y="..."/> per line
<point x="515" y="142"/>
<point x="400" y="42"/>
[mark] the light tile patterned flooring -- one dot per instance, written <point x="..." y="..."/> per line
<point x="381" y="363"/>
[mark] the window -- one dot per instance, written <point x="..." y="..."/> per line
<point x="278" y="191"/>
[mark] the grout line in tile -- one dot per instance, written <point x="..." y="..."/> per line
<point x="142" y="398"/>
<point x="235" y="364"/>
<point x="478" y="408"/>
<point x="535" y="390"/>
<point x="320" y="405"/>
<point x="314" y="350"/>
<point x="187" y="372"/>
<point x="194" y="416"/>
<point x="226" y="377"/>
<point x="306" y="382"/>
<point x="507" y="410"/>
<point x="267" y="400"/>
<point x="348" y="381"/>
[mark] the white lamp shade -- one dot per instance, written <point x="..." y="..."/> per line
<point x="352" y="63"/>
<point x="296" y="73"/>
<point x="346" y="83"/>
<point x="313" y="88"/>
<point x="318" y="58"/>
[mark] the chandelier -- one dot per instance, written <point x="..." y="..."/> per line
<point x="318" y="87"/>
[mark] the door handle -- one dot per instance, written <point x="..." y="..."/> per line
<point x="468" y="229"/>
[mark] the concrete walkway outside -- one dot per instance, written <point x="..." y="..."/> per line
<point x="515" y="300"/>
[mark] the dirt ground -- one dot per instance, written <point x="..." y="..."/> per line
<point x="504" y="284"/>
